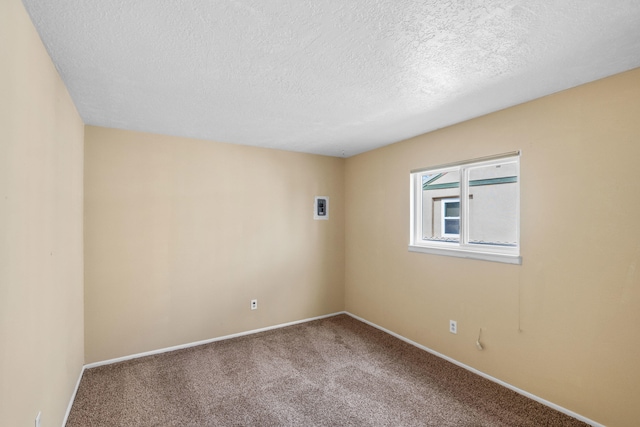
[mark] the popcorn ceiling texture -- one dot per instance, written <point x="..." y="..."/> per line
<point x="327" y="77"/>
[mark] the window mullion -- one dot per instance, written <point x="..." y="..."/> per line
<point x="419" y="205"/>
<point x="464" y="206"/>
<point x="417" y="183"/>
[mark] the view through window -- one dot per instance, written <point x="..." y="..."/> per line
<point x="468" y="209"/>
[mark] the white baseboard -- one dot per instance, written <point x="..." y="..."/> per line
<point x="482" y="374"/>
<point x="208" y="341"/>
<point x="73" y="398"/>
<point x="282" y="325"/>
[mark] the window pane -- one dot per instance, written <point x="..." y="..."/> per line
<point x="437" y="187"/>
<point x="493" y="205"/>
<point x="452" y="209"/>
<point x="452" y="226"/>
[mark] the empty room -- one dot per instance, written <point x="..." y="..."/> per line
<point x="416" y="213"/>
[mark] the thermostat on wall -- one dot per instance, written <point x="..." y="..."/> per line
<point x="321" y="208"/>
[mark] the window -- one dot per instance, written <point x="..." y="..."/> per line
<point x="469" y="209"/>
<point x="451" y="218"/>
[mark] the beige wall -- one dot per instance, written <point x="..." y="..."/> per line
<point x="180" y="234"/>
<point x="564" y="325"/>
<point x="41" y="294"/>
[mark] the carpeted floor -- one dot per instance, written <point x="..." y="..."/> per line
<point x="331" y="372"/>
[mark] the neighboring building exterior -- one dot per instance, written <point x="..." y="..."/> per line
<point x="493" y="205"/>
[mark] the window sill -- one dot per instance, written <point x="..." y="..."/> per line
<point x="462" y="253"/>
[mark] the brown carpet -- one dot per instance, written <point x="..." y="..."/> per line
<point x="331" y="372"/>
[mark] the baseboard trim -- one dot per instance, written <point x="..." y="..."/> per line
<point x="296" y="322"/>
<point x="73" y="398"/>
<point x="207" y="341"/>
<point x="482" y="374"/>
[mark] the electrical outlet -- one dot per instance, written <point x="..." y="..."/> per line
<point x="254" y="304"/>
<point x="38" y="419"/>
<point x="453" y="326"/>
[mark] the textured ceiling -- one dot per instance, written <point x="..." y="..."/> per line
<point x="329" y="77"/>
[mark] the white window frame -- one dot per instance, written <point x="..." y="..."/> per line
<point x="463" y="248"/>
<point x="444" y="218"/>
